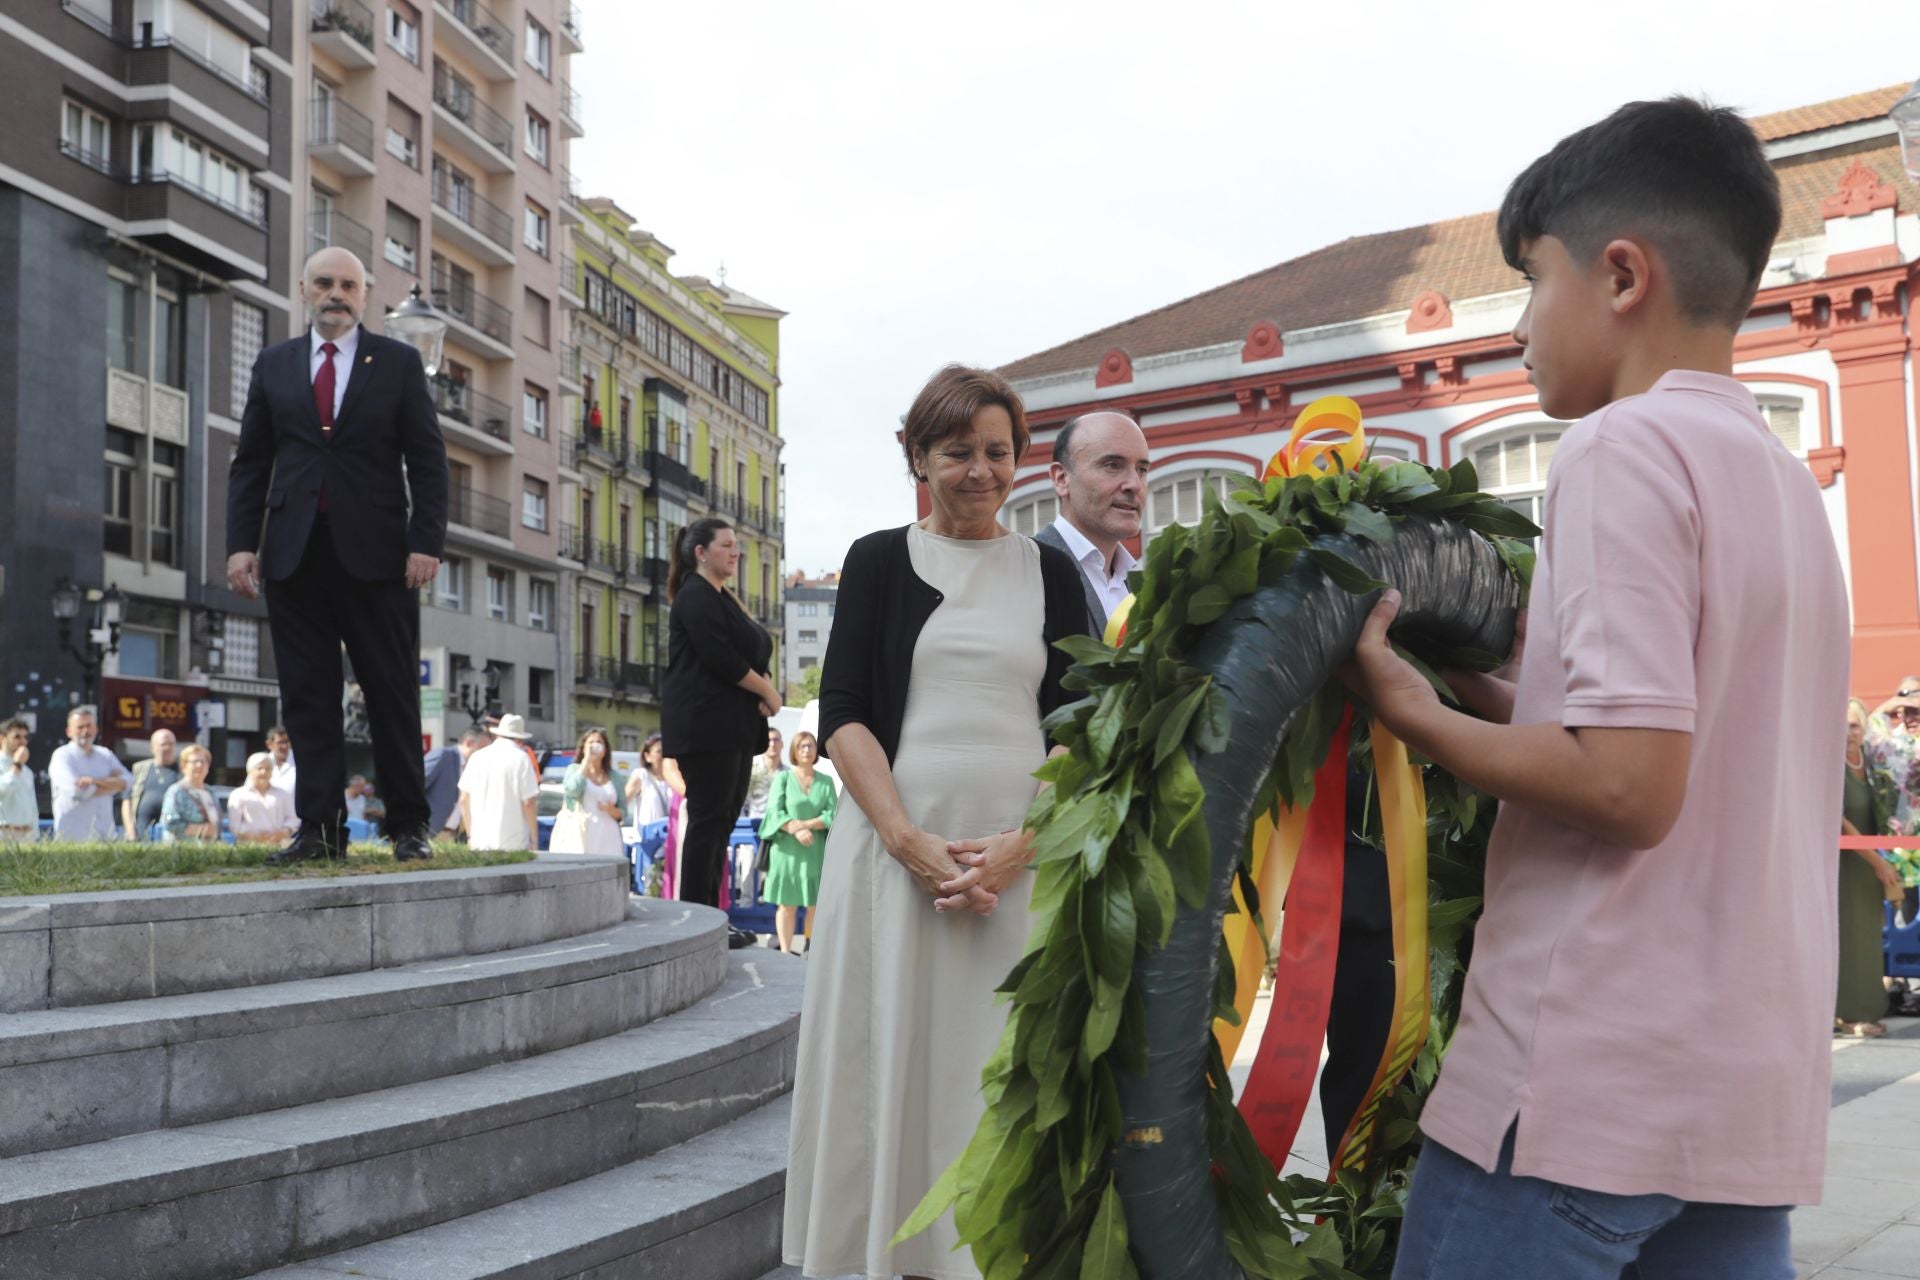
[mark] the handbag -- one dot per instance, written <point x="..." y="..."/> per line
<point x="569" y="831"/>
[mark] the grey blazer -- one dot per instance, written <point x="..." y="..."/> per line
<point x="1096" y="608"/>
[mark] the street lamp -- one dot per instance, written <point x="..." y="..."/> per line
<point x="417" y="324"/>
<point x="103" y="637"/>
<point x="478" y="689"/>
<point x="1906" y="118"/>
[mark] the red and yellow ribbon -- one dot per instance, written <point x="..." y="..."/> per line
<point x="1328" y="413"/>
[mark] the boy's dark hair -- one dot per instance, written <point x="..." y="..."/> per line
<point x="1690" y="178"/>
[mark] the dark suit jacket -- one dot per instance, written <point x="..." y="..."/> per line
<point x="1096" y="607"/>
<point x="442" y="770"/>
<point x="386" y="422"/>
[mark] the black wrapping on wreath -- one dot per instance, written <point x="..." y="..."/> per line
<point x="1270" y="654"/>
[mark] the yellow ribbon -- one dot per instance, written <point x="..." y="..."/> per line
<point x="1328" y="413"/>
<point x="1403" y="821"/>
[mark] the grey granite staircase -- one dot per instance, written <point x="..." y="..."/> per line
<point x="589" y="1087"/>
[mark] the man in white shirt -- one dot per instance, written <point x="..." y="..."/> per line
<point x="1100" y="473"/>
<point x="499" y="793"/>
<point x="85" y="780"/>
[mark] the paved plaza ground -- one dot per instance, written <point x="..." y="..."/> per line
<point x="1869" y="1226"/>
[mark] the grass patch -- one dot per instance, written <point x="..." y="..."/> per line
<point x="31" y="870"/>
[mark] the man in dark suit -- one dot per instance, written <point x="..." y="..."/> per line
<point x="339" y="432"/>
<point x="1100" y="475"/>
<point x="443" y="768"/>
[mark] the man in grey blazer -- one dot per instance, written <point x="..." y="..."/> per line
<point x="1100" y="473"/>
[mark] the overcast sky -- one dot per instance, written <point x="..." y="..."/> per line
<point x="924" y="183"/>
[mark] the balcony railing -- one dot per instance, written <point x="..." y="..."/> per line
<point x="470" y="408"/>
<point x="92" y="159"/>
<point x="638" y="677"/>
<point x="332" y="227"/>
<point x="592" y="669"/>
<point x="349" y="17"/>
<point x="469" y="306"/>
<point x="570" y="105"/>
<point x="569" y="187"/>
<point x="470" y="207"/>
<point x="478" y="511"/>
<point x="141" y="208"/>
<point x="569" y="275"/>
<point x="570" y="547"/>
<point x="143" y="39"/>
<point x="569" y="362"/>
<point x="570" y="21"/>
<point x="458" y="97"/>
<point x="484" y="24"/>
<point x="569" y="445"/>
<point x="332" y="122"/>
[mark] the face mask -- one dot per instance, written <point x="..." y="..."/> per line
<point x="595" y="748"/>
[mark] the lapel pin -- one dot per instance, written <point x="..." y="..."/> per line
<point x="366" y="359"/>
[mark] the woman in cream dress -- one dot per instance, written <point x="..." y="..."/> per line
<point x="938" y="672"/>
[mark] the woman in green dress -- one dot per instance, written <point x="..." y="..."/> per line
<point x="1866" y="881"/>
<point x="799" y="811"/>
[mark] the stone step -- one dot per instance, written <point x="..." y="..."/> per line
<point x="218" y="1200"/>
<point x="708" y="1209"/>
<point x="98" y="948"/>
<point x="103" y="1071"/>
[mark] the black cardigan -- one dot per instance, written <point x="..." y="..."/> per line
<point x="711" y="645"/>
<point x="881" y="607"/>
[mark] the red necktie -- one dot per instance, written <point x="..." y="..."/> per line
<point x="323" y="398"/>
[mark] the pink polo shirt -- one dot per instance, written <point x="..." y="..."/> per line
<point x="1661" y="1020"/>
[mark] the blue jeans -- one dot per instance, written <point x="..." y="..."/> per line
<point x="1465" y="1224"/>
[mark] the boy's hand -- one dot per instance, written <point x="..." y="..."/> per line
<point x="1380" y="677"/>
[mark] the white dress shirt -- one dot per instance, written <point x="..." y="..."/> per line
<point x="1111" y="587"/>
<point x="344" y="346"/>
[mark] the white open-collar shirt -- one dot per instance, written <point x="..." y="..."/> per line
<point x="1112" y="587"/>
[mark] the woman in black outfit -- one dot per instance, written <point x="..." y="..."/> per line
<point x="715" y="700"/>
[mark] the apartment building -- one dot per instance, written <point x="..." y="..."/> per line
<point x="677" y="418"/>
<point x="435" y="139"/>
<point x="808" y="604"/>
<point x="146" y="238"/>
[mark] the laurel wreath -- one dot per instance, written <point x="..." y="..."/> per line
<point x="1119" y="842"/>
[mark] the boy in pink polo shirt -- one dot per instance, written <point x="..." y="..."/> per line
<point x="1668" y="762"/>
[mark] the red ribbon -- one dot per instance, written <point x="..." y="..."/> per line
<point x="1275" y="1099"/>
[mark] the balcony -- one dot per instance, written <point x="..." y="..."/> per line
<point x="594" y="672"/>
<point x="571" y="544"/>
<point x="637" y="680"/>
<point x="481" y="512"/>
<point x="570" y="116"/>
<point x="224" y="91"/>
<point x="569" y="194"/>
<point x="473" y="128"/>
<point x="332" y="227"/>
<point x="478" y="320"/>
<point x="343" y="30"/>
<point x="339" y="134"/>
<point x="570" y="28"/>
<point x="468" y="218"/>
<point x="473" y="418"/>
<point x="654" y="570"/>
<point x="569" y="282"/>
<point x="223" y="238"/>
<point x="568" y="458"/>
<point x="480" y="34"/>
<point x="570" y="368"/>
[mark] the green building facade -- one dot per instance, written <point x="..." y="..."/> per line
<point x="678" y="419"/>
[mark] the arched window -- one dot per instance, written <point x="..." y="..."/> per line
<point x="1176" y="499"/>
<point x="1031" y="515"/>
<point x="1783" y="415"/>
<point x="1513" y="468"/>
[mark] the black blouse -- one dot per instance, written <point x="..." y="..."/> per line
<point x="711" y="645"/>
<point x="881" y="607"/>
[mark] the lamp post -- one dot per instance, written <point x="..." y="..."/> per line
<point x="1906" y="118"/>
<point x="417" y="324"/>
<point x="478" y="689"/>
<point x="103" y="633"/>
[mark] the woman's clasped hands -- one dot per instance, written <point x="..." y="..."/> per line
<point x="989" y="865"/>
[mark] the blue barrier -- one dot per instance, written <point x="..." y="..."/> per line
<point x="1902" y="945"/>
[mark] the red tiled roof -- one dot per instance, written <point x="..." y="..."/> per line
<point x="1828" y="115"/>
<point x="1377" y="274"/>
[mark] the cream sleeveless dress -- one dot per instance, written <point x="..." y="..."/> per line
<point x="899" y="1014"/>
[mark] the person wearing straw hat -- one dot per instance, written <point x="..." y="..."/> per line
<point x="499" y="792"/>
